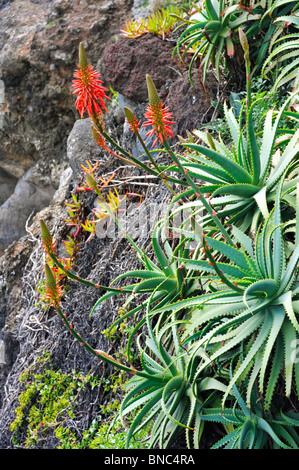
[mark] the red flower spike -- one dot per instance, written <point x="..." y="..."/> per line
<point x="156" y="115"/>
<point x="88" y="86"/>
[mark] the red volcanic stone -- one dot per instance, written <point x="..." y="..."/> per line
<point x="191" y="106"/>
<point x="126" y="63"/>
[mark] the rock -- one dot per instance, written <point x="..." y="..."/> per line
<point x="126" y="63"/>
<point x="81" y="146"/>
<point x="106" y="6"/>
<point x="32" y="192"/>
<point x="12" y="265"/>
<point x="7" y="184"/>
<point x="190" y="106"/>
<point x="39" y="43"/>
<point x="140" y="10"/>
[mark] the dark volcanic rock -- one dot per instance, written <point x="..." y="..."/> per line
<point x="190" y="106"/>
<point x="126" y="63"/>
<point x="39" y="41"/>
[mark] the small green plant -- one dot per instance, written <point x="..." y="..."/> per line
<point x="47" y="401"/>
<point x="160" y="22"/>
<point x="102" y="438"/>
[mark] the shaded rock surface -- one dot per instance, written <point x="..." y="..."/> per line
<point x="38" y="54"/>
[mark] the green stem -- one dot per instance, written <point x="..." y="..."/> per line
<point x="131" y="158"/>
<point x="77" y="278"/>
<point x="218" y="271"/>
<point x="159" y="171"/>
<point x="102" y="355"/>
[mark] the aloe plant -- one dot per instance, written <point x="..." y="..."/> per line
<point x="216" y="320"/>
<point x="211" y="30"/>
<point x="164" y="282"/>
<point x="283" y="56"/>
<point x="252" y="307"/>
<point x="170" y="402"/>
<point x="248" y="428"/>
<point x="239" y="177"/>
<point x="275" y="19"/>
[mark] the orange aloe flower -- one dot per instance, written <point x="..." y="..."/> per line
<point x="88" y="87"/>
<point x="156" y="115"/>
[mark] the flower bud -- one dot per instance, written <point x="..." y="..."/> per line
<point x="131" y="118"/>
<point x="54" y="292"/>
<point x="98" y="137"/>
<point x="82" y="57"/>
<point x="46" y="237"/>
<point x="50" y="279"/>
<point x="243" y="40"/>
<point x="153" y="97"/>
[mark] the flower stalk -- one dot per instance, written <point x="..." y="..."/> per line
<point x="55" y="294"/>
<point x="245" y="47"/>
<point x="157" y="116"/>
<point x="49" y="250"/>
<point x="134" y="126"/>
